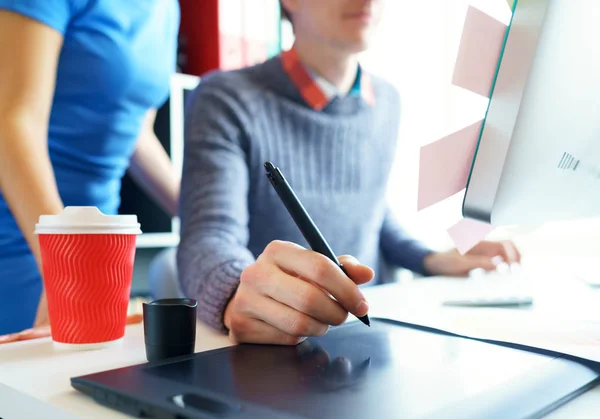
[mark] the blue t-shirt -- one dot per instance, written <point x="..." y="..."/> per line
<point x="114" y="66"/>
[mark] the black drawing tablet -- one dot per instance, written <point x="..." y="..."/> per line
<point x="391" y="370"/>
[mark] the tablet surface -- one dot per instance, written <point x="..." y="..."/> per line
<point x="386" y="371"/>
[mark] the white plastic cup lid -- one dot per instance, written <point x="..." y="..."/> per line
<point x="87" y="220"/>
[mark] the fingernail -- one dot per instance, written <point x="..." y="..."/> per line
<point x="497" y="260"/>
<point x="362" y="308"/>
<point x="503" y="268"/>
<point x="477" y="273"/>
<point x="354" y="260"/>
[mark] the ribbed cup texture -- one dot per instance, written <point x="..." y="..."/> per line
<point x="87" y="278"/>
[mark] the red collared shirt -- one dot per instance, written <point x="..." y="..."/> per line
<point x="316" y="91"/>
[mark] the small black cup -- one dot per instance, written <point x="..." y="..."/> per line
<point x="169" y="328"/>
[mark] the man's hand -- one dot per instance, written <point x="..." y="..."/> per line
<point x="484" y="256"/>
<point x="286" y="296"/>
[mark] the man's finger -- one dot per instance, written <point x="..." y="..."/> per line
<point x="302" y="296"/>
<point x="322" y="271"/>
<point x="481" y="262"/>
<point x="511" y="254"/>
<point x="359" y="273"/>
<point x="282" y="317"/>
<point x="249" y="330"/>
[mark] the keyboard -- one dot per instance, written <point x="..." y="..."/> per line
<point x="507" y="286"/>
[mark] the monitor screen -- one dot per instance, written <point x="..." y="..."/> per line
<point x="159" y="229"/>
<point x="538" y="157"/>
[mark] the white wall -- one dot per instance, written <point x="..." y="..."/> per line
<point x="416" y="48"/>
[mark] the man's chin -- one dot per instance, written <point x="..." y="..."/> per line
<point x="357" y="46"/>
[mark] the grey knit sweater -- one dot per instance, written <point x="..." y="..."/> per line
<point x="337" y="160"/>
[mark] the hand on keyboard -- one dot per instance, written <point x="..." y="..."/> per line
<point x="485" y="255"/>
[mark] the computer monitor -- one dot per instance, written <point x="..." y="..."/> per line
<point x="538" y="157"/>
<point x="159" y="229"/>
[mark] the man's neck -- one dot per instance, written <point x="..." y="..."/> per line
<point x="335" y="66"/>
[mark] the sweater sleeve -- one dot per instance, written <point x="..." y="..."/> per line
<point x="214" y="217"/>
<point x="399" y="248"/>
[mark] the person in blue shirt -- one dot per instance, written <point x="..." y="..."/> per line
<point x="80" y="81"/>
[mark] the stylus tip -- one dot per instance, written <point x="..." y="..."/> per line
<point x="365" y="320"/>
<point x="269" y="166"/>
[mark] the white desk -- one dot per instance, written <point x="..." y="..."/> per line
<point x="35" y="370"/>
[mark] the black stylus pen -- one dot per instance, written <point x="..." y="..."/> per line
<point x="305" y="224"/>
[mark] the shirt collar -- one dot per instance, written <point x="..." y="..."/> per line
<point x="318" y="92"/>
<point x="330" y="90"/>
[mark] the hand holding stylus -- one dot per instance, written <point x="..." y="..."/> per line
<point x="286" y="296"/>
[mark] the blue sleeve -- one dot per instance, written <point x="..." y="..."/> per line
<point x="54" y="13"/>
<point x="399" y="248"/>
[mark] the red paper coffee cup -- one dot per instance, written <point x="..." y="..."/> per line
<point x="87" y="261"/>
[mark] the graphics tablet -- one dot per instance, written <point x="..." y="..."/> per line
<point x="389" y="370"/>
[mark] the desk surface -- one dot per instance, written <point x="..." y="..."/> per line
<point x="39" y="373"/>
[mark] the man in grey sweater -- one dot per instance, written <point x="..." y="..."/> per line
<point x="332" y="129"/>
